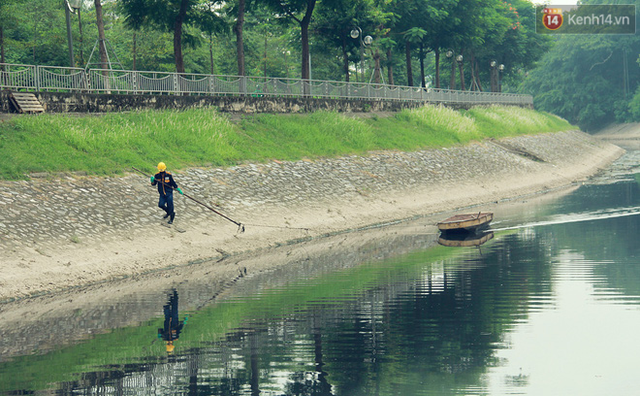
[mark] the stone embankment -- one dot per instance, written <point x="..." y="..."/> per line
<point x="63" y="231"/>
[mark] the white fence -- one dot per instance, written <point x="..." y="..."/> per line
<point x="65" y="79"/>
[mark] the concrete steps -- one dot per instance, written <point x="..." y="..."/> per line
<point x="25" y="102"/>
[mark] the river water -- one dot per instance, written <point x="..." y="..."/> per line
<point x="548" y="305"/>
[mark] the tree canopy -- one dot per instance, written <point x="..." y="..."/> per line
<point x="168" y="35"/>
<point x="590" y="79"/>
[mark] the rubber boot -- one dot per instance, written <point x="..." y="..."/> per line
<point x="173" y="215"/>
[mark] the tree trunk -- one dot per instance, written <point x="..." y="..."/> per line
<point x="238" y="29"/>
<point x="345" y="57"/>
<point x="409" y="69"/>
<point x="423" y="83"/>
<point x="437" y="68"/>
<point x="389" y="67"/>
<point x="211" y="51"/>
<point x="266" y="42"/>
<point x="306" y="61"/>
<point x="473" y="86"/>
<point x="2" y="68"/>
<point x="494" y="74"/>
<point x="461" y="66"/>
<point x="452" y="81"/>
<point x="177" y="36"/>
<point x="2" y="46"/>
<point x="81" y="38"/>
<point x="305" y="52"/>
<point x="35" y="39"/>
<point x="475" y="71"/>
<point x="478" y="76"/>
<point x="135" y="49"/>
<point x="304" y="27"/>
<point x="67" y="14"/>
<point x="376" y="70"/>
<point x="102" y="46"/>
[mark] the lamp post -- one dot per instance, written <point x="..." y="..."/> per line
<point x="286" y="65"/>
<point x="500" y="70"/>
<point x="494" y="84"/>
<point x="356" y="33"/>
<point x="69" y="7"/>
<point x="452" y="81"/>
<point x="459" y="59"/>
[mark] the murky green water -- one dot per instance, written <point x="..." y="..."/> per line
<point x="549" y="306"/>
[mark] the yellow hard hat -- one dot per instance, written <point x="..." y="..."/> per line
<point x="161" y="166"/>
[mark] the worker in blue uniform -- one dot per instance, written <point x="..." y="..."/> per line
<point x="172" y="324"/>
<point x="166" y="185"/>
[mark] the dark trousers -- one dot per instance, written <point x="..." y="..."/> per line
<point x="166" y="203"/>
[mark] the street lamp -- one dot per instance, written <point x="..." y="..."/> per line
<point x="69" y="7"/>
<point x="460" y="58"/>
<point x="286" y="65"/>
<point x="494" y="71"/>
<point x="501" y="69"/>
<point x="75" y="4"/>
<point x="356" y="33"/>
<point x="452" y="81"/>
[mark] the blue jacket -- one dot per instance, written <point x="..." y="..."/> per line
<point x="165" y="183"/>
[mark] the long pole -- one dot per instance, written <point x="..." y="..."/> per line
<point x="240" y="225"/>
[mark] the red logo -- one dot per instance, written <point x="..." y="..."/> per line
<point x="552" y="18"/>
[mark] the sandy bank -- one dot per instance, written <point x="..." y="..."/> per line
<point x="59" y="234"/>
<point x="626" y="136"/>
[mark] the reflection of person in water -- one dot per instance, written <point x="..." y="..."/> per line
<point x="172" y="324"/>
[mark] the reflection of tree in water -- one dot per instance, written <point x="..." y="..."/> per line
<point x="437" y="329"/>
<point x="251" y="360"/>
<point x="616" y="247"/>
<point x="311" y="383"/>
<point x="440" y="335"/>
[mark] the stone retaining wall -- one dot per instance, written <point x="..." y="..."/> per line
<point x="61" y="102"/>
<point x="44" y="211"/>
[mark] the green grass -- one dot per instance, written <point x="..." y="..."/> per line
<point x="113" y="143"/>
<point x="497" y="122"/>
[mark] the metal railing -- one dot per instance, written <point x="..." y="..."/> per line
<point x="65" y="79"/>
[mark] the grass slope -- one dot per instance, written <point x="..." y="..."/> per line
<point x="113" y="143"/>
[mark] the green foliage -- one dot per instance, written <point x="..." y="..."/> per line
<point x="112" y="143"/>
<point x="35" y="33"/>
<point x="175" y="16"/>
<point x="333" y="22"/>
<point x="588" y="79"/>
<point x="634" y="105"/>
<point x="482" y="31"/>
